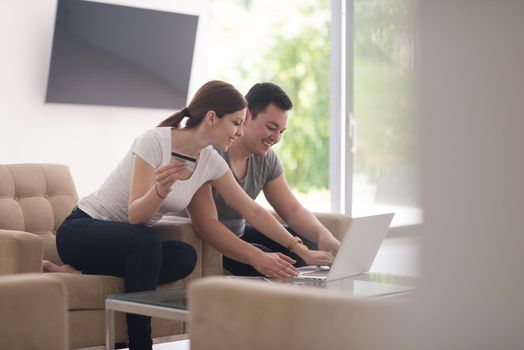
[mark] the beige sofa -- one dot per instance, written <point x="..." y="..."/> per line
<point x="35" y="199"/>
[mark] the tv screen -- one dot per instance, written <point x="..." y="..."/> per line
<point x="106" y="54"/>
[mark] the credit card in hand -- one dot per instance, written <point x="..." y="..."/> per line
<point x="190" y="162"/>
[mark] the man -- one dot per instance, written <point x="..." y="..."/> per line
<point x="257" y="168"/>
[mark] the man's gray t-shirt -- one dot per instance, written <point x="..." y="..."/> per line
<point x="260" y="170"/>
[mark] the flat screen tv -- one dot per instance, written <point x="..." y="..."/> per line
<point x="114" y="55"/>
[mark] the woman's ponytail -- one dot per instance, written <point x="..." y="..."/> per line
<point x="172" y="121"/>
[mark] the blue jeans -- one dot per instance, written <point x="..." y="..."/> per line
<point x="134" y="252"/>
<point x="259" y="240"/>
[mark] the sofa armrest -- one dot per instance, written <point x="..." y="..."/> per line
<point x="336" y="223"/>
<point x="176" y="228"/>
<point x="33" y="312"/>
<point x="20" y="252"/>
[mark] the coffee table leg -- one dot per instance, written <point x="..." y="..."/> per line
<point x="110" y="329"/>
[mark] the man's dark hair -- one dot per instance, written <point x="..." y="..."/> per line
<point x="262" y="95"/>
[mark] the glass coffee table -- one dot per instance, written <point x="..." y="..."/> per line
<point x="172" y="303"/>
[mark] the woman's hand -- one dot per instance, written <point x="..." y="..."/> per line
<point x="275" y="265"/>
<point x="167" y="175"/>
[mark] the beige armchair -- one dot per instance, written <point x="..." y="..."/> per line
<point x="238" y="314"/>
<point x="34" y="200"/>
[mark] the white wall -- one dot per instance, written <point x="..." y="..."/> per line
<point x="90" y="139"/>
<point x="472" y="112"/>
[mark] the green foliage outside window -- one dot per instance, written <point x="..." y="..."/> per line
<point x="288" y="44"/>
<point x="301" y="66"/>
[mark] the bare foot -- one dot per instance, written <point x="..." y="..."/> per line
<point x="52" y="267"/>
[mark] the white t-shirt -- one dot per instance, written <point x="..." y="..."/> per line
<point x="110" y="201"/>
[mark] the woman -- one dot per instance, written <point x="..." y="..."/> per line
<point x="109" y="232"/>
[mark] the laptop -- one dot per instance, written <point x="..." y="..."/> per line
<point x="357" y="250"/>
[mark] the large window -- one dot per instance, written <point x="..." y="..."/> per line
<point x="290" y="43"/>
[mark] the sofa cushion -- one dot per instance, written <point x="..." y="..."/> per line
<point x="88" y="292"/>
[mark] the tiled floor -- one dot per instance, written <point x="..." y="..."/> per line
<point x="175" y="345"/>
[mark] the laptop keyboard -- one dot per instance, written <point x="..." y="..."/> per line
<point x="318" y="273"/>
